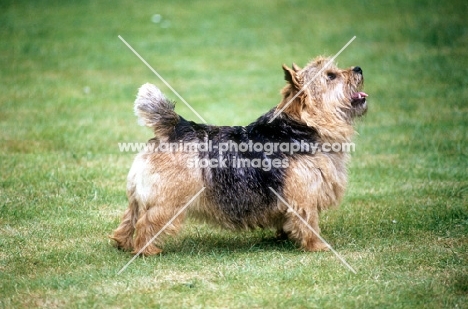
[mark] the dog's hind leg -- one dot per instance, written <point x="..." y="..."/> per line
<point x="154" y="225"/>
<point x="162" y="191"/>
<point x="123" y="235"/>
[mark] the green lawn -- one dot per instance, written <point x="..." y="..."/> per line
<point x="67" y="85"/>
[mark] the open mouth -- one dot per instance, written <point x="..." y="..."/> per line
<point x="358" y="98"/>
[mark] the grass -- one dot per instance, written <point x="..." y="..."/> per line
<point x="66" y="89"/>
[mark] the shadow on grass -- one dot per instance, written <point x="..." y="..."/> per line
<point x="227" y="242"/>
<point x="221" y="242"/>
<point x="460" y="283"/>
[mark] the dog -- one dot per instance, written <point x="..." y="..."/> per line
<point x="242" y="177"/>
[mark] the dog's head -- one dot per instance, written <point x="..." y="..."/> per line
<point x="321" y="94"/>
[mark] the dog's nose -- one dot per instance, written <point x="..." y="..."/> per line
<point x="357" y="70"/>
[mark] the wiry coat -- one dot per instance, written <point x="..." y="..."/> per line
<point x="319" y="105"/>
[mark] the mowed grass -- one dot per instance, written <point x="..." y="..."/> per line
<point x="67" y="86"/>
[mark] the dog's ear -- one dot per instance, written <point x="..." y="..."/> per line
<point x="295" y="67"/>
<point x="290" y="76"/>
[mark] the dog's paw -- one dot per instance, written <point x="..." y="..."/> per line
<point x="150" y="250"/>
<point x="317" y="246"/>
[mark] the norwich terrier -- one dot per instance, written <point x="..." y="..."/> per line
<point x="299" y="149"/>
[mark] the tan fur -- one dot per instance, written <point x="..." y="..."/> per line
<point x="153" y="200"/>
<point x="319" y="104"/>
<point x="312" y="185"/>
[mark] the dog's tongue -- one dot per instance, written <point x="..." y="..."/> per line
<point x="359" y="95"/>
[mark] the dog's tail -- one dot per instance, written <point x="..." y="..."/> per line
<point x="154" y="110"/>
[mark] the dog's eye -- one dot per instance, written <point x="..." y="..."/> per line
<point x="331" y="76"/>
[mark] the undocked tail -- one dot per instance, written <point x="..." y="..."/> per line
<point x="154" y="110"/>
